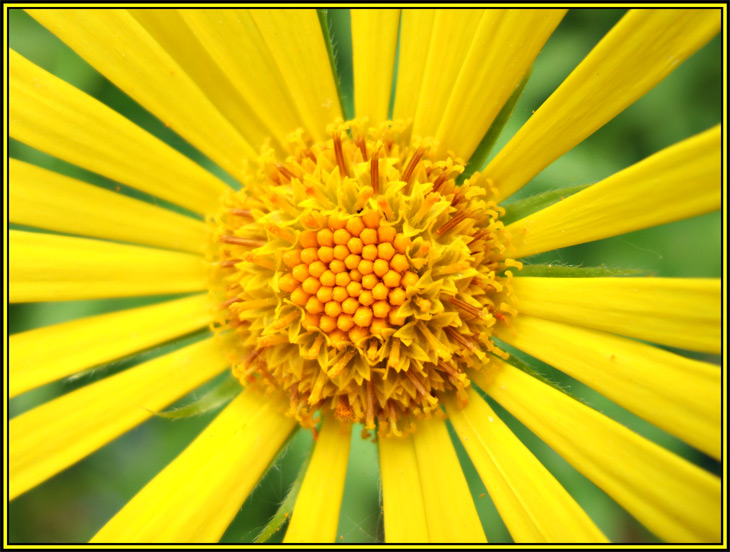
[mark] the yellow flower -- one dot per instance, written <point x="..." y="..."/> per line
<point x="362" y="273"/>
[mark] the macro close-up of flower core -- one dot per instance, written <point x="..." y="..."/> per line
<point x="273" y="276"/>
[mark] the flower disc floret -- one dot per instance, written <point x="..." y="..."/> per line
<point x="359" y="278"/>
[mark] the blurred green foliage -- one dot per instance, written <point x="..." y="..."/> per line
<point x="72" y="506"/>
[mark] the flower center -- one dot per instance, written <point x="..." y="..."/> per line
<point x="357" y="276"/>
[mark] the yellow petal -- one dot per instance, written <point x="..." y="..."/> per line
<point x="451" y="39"/>
<point x="46" y="354"/>
<point x="294" y="38"/>
<point x="678" y="312"/>
<point x="678" y="182"/>
<point x="57" y="434"/>
<point x="642" y="49"/>
<point x="450" y="512"/>
<point x="197" y="495"/>
<point x="403" y="507"/>
<point x="416" y="27"/>
<point x="374" y="40"/>
<point x="674" y="499"/>
<point x="49" y="200"/>
<point x="45" y="267"/>
<point x="53" y="116"/>
<point x="677" y="394"/>
<point x="235" y="45"/>
<point x="504" y="46"/>
<point x="530" y="501"/>
<point x="169" y="29"/>
<point x="317" y="509"/>
<point x="139" y="66"/>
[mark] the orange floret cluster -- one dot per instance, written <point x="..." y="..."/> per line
<point x="350" y="276"/>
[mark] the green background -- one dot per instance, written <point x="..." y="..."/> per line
<point x="73" y="505"/>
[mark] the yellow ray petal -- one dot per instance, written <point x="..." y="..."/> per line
<point x="504" y="46"/>
<point x="679" y="395"/>
<point x="169" y="29"/>
<point x="374" y="39"/>
<point x="235" y="45"/>
<point x="44" y="267"/>
<point x="531" y="502"/>
<point x="317" y="509"/>
<point x="451" y="39"/>
<point x="678" y="312"/>
<point x="53" y="116"/>
<point x="450" y="512"/>
<point x="403" y="508"/>
<point x="294" y="38"/>
<point x="674" y="499"/>
<point x="138" y="65"/>
<point x="49" y="200"/>
<point x="57" y="434"/>
<point x="197" y="495"/>
<point x="678" y="182"/>
<point x="416" y="27"/>
<point x="642" y="49"/>
<point x="46" y="354"/>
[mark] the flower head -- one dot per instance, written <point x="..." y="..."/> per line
<point x="365" y="272"/>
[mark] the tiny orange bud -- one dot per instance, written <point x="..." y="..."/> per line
<point x="341" y="252"/>
<point x="378" y="326"/>
<point x="354" y="289"/>
<point x="354" y="226"/>
<point x="369" y="281"/>
<point x="380" y="291"/>
<point x="365" y="267"/>
<point x="370" y="252"/>
<point x="327" y="278"/>
<point x="333" y="308"/>
<point x="317" y="268"/>
<point x="351" y="261"/>
<point x="381" y="309"/>
<point x="354" y="245"/>
<point x="385" y="251"/>
<point x="397" y="296"/>
<point x="363" y="316"/>
<point x="308" y="238"/>
<point x="401" y="243"/>
<point x="339" y="294"/>
<point x="350" y="305"/>
<point x="288" y="283"/>
<point x="314" y="305"/>
<point x="342" y="278"/>
<point x="380" y="267"/>
<point x="337" y="266"/>
<point x="341" y="236"/>
<point x="335" y="222"/>
<point x="366" y="298"/>
<point x="327" y="323"/>
<point x="326" y="254"/>
<point x="291" y="257"/>
<point x="399" y="263"/>
<point x="371" y="219"/>
<point x="309" y="255"/>
<point x="299" y="297"/>
<point x="409" y="279"/>
<point x="345" y="322"/>
<point x="392" y="279"/>
<point x="311" y="285"/>
<point x="386" y="234"/>
<point x="369" y="236"/>
<point x="325" y="238"/>
<point x="300" y="272"/>
<point x="324" y="294"/>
